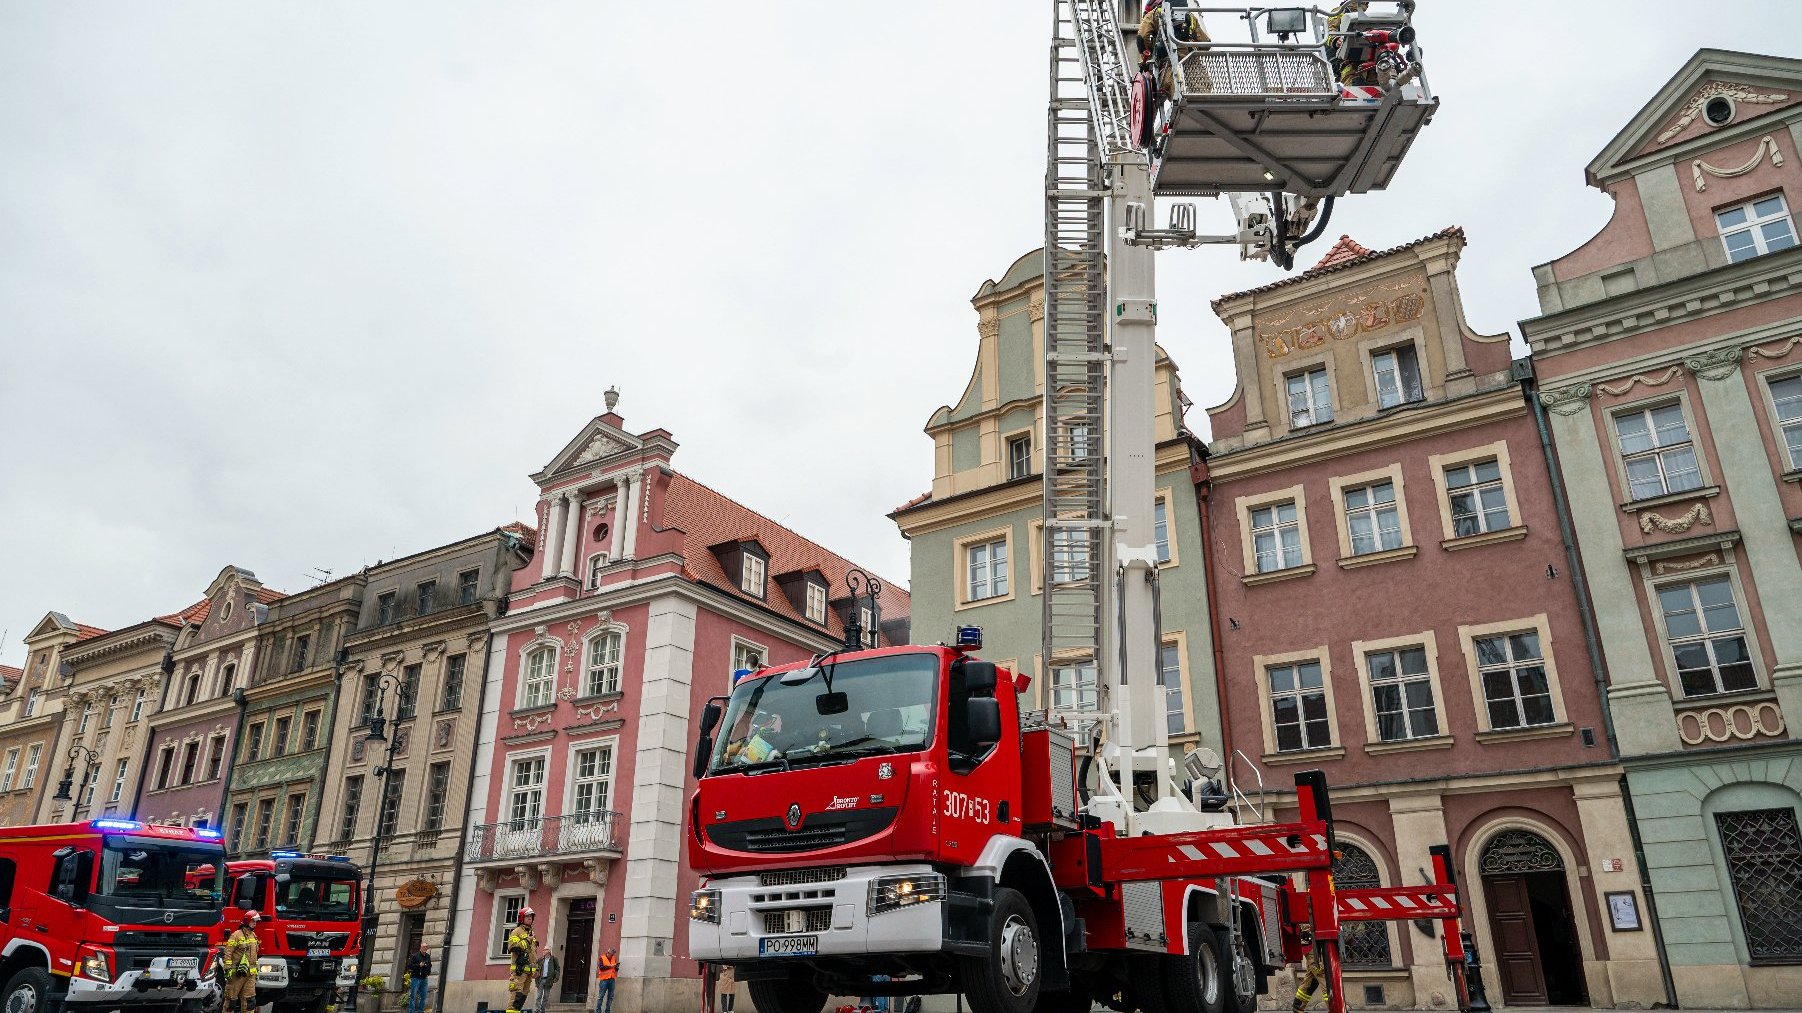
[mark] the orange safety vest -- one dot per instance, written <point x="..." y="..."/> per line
<point x="608" y="967"/>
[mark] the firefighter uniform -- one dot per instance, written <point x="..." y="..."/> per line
<point x="241" y="969"/>
<point x="521" y="945"/>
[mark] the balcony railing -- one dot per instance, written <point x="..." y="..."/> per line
<point x="572" y="834"/>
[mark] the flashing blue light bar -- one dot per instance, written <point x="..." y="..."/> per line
<point x="284" y="854"/>
<point x="211" y="835"/>
<point x="338" y="858"/>
<point x="117" y="825"/>
<point x="969" y="638"/>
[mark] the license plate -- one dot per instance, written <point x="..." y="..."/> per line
<point x="789" y="946"/>
<point x="189" y="964"/>
<point x="319" y="951"/>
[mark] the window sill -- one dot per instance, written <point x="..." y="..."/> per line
<point x="1700" y="492"/>
<point x="1729" y="699"/>
<point x="1561" y="730"/>
<point x="1793" y="475"/>
<point x="1379" y="558"/>
<point x="1410" y="745"/>
<point x="1305" y="755"/>
<point x="1486" y="538"/>
<point x="543" y="708"/>
<point x="978" y="603"/>
<point x="600" y="697"/>
<point x="1271" y="577"/>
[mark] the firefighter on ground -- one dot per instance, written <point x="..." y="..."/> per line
<point x="241" y="965"/>
<point x="1312" y="981"/>
<point x="521" y="947"/>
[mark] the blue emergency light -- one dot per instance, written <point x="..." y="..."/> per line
<point x="117" y="825"/>
<point x="969" y="638"/>
<point x="211" y="835"/>
<point x="284" y="854"/>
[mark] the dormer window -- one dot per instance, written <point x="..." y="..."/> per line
<point x="866" y="621"/>
<point x="816" y="603"/>
<point x="752" y="573"/>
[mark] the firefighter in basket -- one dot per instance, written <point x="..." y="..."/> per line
<point x="241" y="965"/>
<point x="521" y="947"/>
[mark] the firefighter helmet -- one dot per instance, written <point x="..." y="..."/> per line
<point x="526" y="912"/>
<point x="250" y="918"/>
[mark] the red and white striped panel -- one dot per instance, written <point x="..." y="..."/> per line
<point x="1392" y="903"/>
<point x="1360" y="93"/>
<point x="1258" y="847"/>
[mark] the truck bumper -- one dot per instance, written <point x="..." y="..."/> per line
<point x="747" y="910"/>
<point x="156" y="987"/>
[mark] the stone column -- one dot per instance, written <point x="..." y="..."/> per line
<point x="634" y="506"/>
<point x="1420" y="824"/>
<point x="616" y="544"/>
<point x="572" y="535"/>
<point x="553" y="534"/>
<point x="1631" y="970"/>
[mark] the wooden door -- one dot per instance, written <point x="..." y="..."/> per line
<point x="1516" y="942"/>
<point x="578" y="953"/>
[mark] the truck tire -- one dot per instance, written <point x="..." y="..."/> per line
<point x="1006" y="980"/>
<point x="1197" y="980"/>
<point x="1145" y="988"/>
<point x="1239" y="972"/>
<point x="28" y="991"/>
<point x="786" y="996"/>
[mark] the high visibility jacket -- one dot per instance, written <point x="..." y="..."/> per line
<point x="608" y="968"/>
<point x="521" y="946"/>
<point x="241" y="953"/>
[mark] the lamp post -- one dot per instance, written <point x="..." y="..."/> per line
<point x="378" y="732"/>
<point x="865" y="589"/>
<point x="88" y="770"/>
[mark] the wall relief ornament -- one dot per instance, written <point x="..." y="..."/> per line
<point x="1689" y="566"/>
<point x="1645" y="378"/>
<point x="1698" y="167"/>
<point x="601" y="446"/>
<point x="989" y="327"/>
<point x="443" y="734"/>
<point x="1716" y="365"/>
<point x="1365" y="315"/>
<point x="1720" y="89"/>
<point x="1780" y="350"/>
<point x="594" y="711"/>
<point x="1566" y="400"/>
<point x="1742" y="722"/>
<point x="530" y="722"/>
<point x="1035" y="310"/>
<point x="1698" y="514"/>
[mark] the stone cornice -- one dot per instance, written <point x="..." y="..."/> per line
<point x="434" y="626"/>
<point x="614" y="597"/>
<point x="936" y="515"/>
<point x="118" y="644"/>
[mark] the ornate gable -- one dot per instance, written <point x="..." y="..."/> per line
<point x="1753" y="86"/>
<point x="599" y="440"/>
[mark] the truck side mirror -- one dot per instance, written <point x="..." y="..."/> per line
<point x="710" y="719"/>
<point x="979" y="678"/>
<point x="982" y="715"/>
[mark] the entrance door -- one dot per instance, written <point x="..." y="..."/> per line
<point x="578" y="951"/>
<point x="412" y="930"/>
<point x="1538" y="956"/>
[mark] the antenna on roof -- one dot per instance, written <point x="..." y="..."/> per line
<point x="319" y="574"/>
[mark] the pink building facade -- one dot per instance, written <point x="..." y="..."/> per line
<point x="647" y="592"/>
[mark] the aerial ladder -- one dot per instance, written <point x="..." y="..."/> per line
<point x="1310" y="105"/>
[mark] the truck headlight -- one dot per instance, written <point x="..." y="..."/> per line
<point x="704" y="906"/>
<point x="94" y="963"/>
<point x="891" y="893"/>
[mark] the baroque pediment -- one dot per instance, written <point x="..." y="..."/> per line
<point x="1753" y="85"/>
<point x="598" y="441"/>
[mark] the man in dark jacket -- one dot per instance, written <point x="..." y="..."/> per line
<point x="419" y="976"/>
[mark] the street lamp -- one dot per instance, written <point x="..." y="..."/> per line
<point x="89" y="769"/>
<point x="378" y="732"/>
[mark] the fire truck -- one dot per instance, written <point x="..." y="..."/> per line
<point x="108" y="914"/>
<point x="310" y="932"/>
<point x="900" y="821"/>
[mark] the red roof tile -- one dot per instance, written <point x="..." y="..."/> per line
<point x="1341" y="256"/>
<point x="86" y="632"/>
<point x="708" y="518"/>
<point x="195" y="613"/>
<point x="10" y="674"/>
<point x="916" y="501"/>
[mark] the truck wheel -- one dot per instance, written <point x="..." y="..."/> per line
<point x="27" y="992"/>
<point x="1196" y="980"/>
<point x="1240" y="967"/>
<point x="1007" y="979"/>
<point x="786" y="997"/>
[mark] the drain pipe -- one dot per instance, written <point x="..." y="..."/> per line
<point x="1573" y="561"/>
<point x="1198" y="477"/>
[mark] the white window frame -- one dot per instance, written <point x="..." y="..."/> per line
<point x="1083" y="694"/>
<point x="215" y="756"/>
<point x="293" y="818"/>
<point x="596" y="563"/>
<point x="1788" y="432"/>
<point x="395" y="791"/>
<point x="137" y="706"/>
<point x="87" y="717"/>
<point x="1657" y="451"/>
<point x="500" y="925"/>
<point x="1440" y="464"/>
<point x="31" y="702"/>
<point x="736" y="655"/>
<point x="432" y="822"/>
<point x="1315" y="380"/>
<point x="816" y="602"/>
<point x="1375" y="354"/>
<point x="1537" y="624"/>
<point x="1755" y="226"/>
<point x="510" y="789"/>
<point x="119" y="781"/>
<point x="1165" y="503"/>
<point x="1340" y="485"/>
<point x="12" y="769"/>
<point x="866" y="621"/>
<point x="1250" y="506"/>
<point x="1707" y="636"/>
<point x="1178" y="642"/>
<point x="1426" y="641"/>
<point x="754" y="574"/>
<point x="573" y="781"/>
<point x="1009" y="442"/>
<point x="531" y="677"/>
<point x="32" y="757"/>
<point x="1267" y="697"/>
<point x="966" y="575"/>
<point x="604" y="634"/>
<point x="461" y="683"/>
<point x="310" y="722"/>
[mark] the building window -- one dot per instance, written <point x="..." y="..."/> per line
<point x="1786" y="394"/>
<point x="396" y="787"/>
<point x="1276" y="537"/>
<point x="1080" y="444"/>
<point x="1397" y="374"/>
<point x="31" y="765"/>
<point x="1075" y="687"/>
<point x="165" y="767"/>
<point x="112" y="712"/>
<point x="31" y="702"/>
<point x="746" y="656"/>
<point x="1479" y="501"/>
<point x="240" y="814"/>
<point x="593" y="782"/>
<point x="1754" y="228"/>
<point x="540" y="681"/>
<point x="1170" y="676"/>
<point x="1070" y="557"/>
<point x="190" y="762"/>
<point x="1364" y="945"/>
<point x="468" y="586"/>
<point x="1657" y="452"/>
<point x="866" y="621"/>
<point x="353" y="802"/>
<point x="87" y="718"/>
<point x="1515" y="687"/>
<point x="265" y="822"/>
<point x="1298" y="710"/>
<point x="453" y="680"/>
<point x="1401" y="691"/>
<point x="985" y="567"/>
<point x="1764" y="859"/>
<point x="384" y="608"/>
<point x="12" y="769"/>
<point x="229" y="680"/>
<point x="525" y="791"/>
<point x="1707" y="639"/>
<point x="1372" y="518"/>
<point x="408" y="704"/>
<point x="506" y="915"/>
<point x="1310" y="399"/>
<point x="816" y="603"/>
<point x="278" y="743"/>
<point x="253" y="742"/>
<point x="423" y="595"/>
<point x="437" y="793"/>
<point x="751" y="579"/>
<point x="603" y="665"/>
<point x="137" y="706"/>
<point x="303" y="646"/>
<point x="1160" y="527"/>
<point x="291" y="826"/>
<point x="215" y="757"/>
<point x="309" y="731"/>
<point x="1019" y="456"/>
<point x="596" y="563"/>
<point x="372" y="698"/>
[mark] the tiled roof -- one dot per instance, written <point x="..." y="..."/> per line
<point x="268" y="595"/>
<point x="707" y="518"/>
<point x="1340" y="257"/>
<point x="86" y="632"/>
<point x="916" y="501"/>
<point x="10" y="676"/>
<point x="195" y="613"/>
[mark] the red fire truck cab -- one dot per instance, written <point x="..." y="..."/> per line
<point x="310" y="931"/>
<point x="889" y="822"/>
<point x="108" y="914"/>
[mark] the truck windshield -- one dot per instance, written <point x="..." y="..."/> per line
<point x="889" y="704"/>
<point x="317" y="898"/>
<point x="167" y="873"/>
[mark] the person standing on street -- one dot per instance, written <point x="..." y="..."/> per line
<point x="605" y="971"/>
<point x="419" y="976"/>
<point x="241" y="965"/>
<point x="548" y="973"/>
<point x="521" y="944"/>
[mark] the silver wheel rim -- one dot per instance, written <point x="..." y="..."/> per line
<point x="1019" y="955"/>
<point x="1209" y="967"/>
<point x="23" y="999"/>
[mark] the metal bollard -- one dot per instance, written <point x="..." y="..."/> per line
<point x="1473" y="975"/>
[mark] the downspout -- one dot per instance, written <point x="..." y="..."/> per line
<point x="330" y="717"/>
<point x="1198" y="475"/>
<point x="1573" y="561"/>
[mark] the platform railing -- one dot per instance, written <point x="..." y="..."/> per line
<point x="544" y="836"/>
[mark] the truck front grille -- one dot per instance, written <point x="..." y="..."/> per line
<point x="301" y="941"/>
<point x="798" y="919"/>
<point x="798" y="877"/>
<point x="770" y="835"/>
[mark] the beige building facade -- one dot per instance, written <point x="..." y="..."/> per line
<point x="31" y="717"/>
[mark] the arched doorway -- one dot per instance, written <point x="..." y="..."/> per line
<point x="1538" y="957"/>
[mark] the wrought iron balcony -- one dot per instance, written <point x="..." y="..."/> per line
<point x="569" y="835"/>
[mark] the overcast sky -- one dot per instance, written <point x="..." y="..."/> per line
<point x="311" y="285"/>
